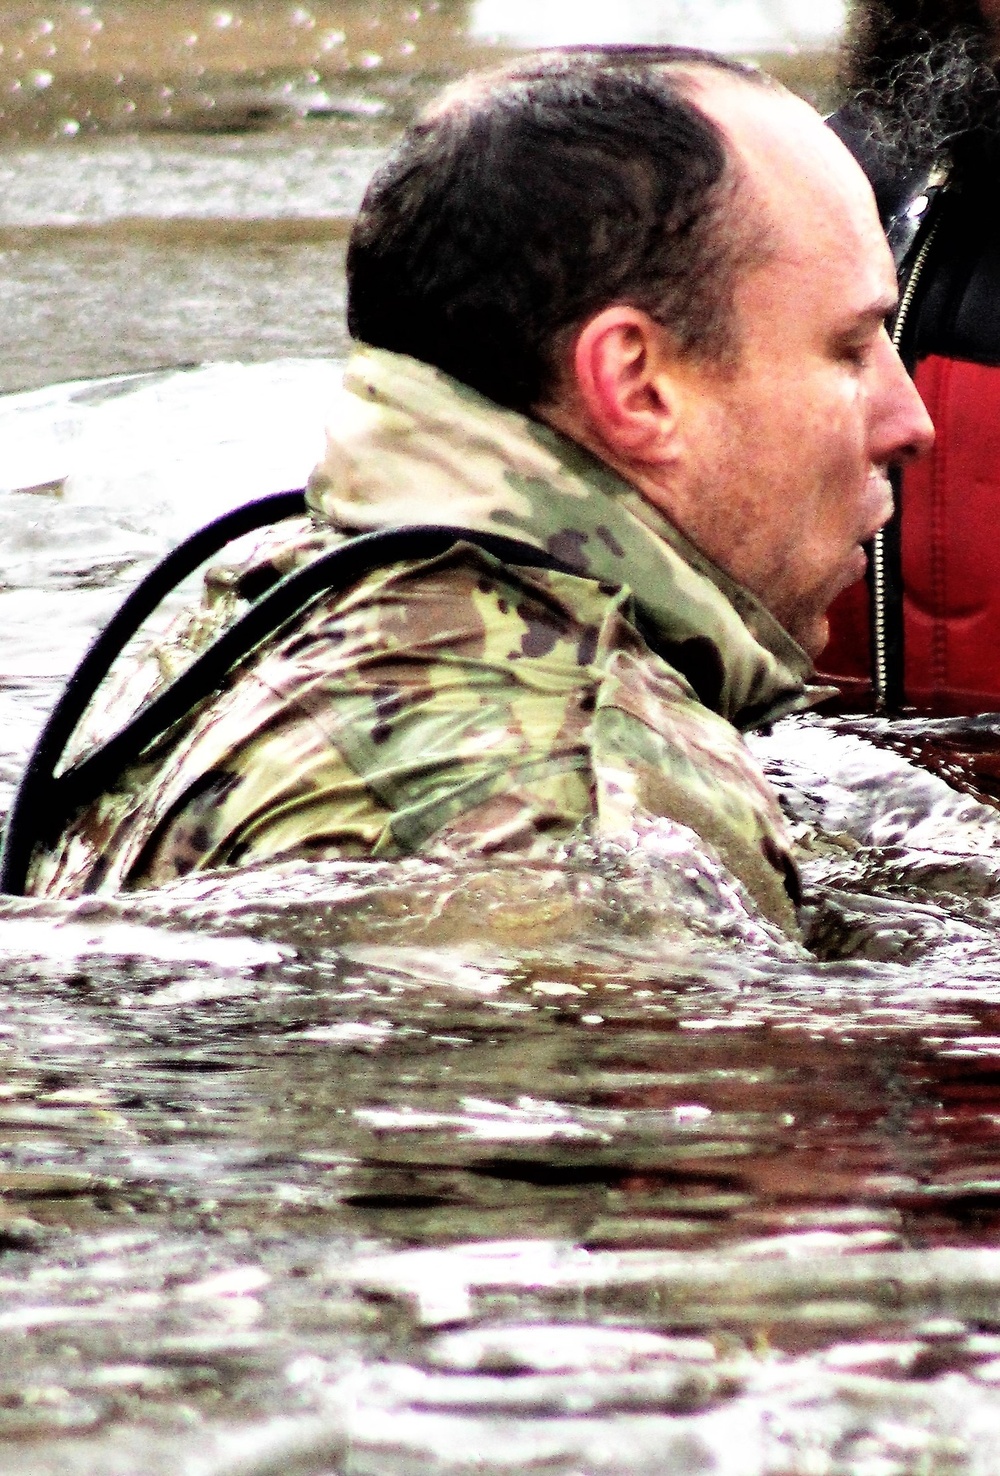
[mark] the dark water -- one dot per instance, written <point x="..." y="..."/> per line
<point x="402" y="1169"/>
<point x="399" y="1169"/>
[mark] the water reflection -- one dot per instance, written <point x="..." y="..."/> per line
<point x="74" y="68"/>
<point x="595" y="1201"/>
<point x="71" y="50"/>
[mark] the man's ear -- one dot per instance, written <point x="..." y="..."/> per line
<point x="621" y="364"/>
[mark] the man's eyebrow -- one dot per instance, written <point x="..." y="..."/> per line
<point x="880" y="309"/>
<point x="862" y="320"/>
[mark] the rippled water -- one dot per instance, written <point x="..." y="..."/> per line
<point x="403" y="1169"/>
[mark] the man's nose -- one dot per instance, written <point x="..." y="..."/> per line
<point x="901" y="428"/>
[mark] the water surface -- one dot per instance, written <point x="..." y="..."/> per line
<point x="401" y="1168"/>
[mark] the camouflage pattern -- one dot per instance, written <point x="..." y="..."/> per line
<point x="455" y="706"/>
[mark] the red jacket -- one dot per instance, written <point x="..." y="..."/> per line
<point x="949" y="529"/>
<point x="950" y="555"/>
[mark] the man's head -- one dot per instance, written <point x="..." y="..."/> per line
<point x="927" y="70"/>
<point x="690" y="281"/>
<point x="524" y="200"/>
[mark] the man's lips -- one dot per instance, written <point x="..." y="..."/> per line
<point x="855" y="566"/>
<point x="880" y="489"/>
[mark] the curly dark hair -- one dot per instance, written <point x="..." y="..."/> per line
<point x="525" y="200"/>
<point x="882" y="35"/>
<point x="923" y="77"/>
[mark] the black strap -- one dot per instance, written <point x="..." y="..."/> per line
<point x="30" y="812"/>
<point x="44" y="801"/>
<point x="907" y="236"/>
<point x="894" y="696"/>
<point x="896" y="192"/>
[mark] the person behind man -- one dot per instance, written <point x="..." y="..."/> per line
<point x="632" y="315"/>
<point x="924" y="120"/>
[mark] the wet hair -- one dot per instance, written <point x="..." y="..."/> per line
<point x="924" y="75"/>
<point x="526" y="200"/>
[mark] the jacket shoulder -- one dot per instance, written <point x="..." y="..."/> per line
<point x="893" y="187"/>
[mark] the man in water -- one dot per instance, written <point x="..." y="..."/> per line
<point x="632" y="316"/>
<point x="925" y="121"/>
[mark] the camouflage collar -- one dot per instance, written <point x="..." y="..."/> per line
<point x="407" y="444"/>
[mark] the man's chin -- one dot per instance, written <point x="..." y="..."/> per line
<point x="815" y="641"/>
<point x="809" y="631"/>
<point x="853" y="570"/>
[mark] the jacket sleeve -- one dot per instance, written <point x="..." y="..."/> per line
<point x="660" y="755"/>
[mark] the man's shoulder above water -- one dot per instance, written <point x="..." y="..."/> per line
<point x="455" y="706"/>
<point x="637" y="396"/>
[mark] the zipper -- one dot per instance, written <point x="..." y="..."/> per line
<point x="879" y="615"/>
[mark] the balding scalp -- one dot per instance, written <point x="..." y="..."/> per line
<point x="526" y="200"/>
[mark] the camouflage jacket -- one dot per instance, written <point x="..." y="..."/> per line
<point x="455" y="705"/>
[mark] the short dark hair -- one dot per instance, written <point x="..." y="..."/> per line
<point x="528" y="199"/>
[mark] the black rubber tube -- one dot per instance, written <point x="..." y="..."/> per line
<point x="28" y="813"/>
<point x="45" y="801"/>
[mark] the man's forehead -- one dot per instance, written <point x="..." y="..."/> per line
<point x="820" y="213"/>
<point x="772" y="131"/>
<point x="790" y="161"/>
